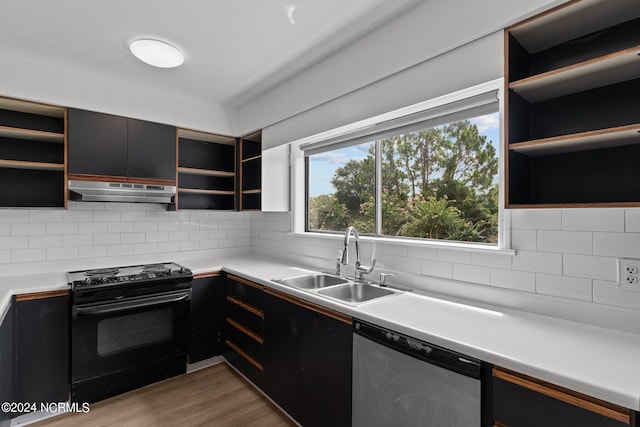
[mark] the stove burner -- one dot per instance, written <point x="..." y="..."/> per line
<point x="155" y="268"/>
<point x="103" y="272"/>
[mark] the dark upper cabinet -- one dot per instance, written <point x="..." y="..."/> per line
<point x="103" y="144"/>
<point x="206" y="318"/>
<point x="6" y="365"/>
<point x="97" y="143"/>
<point x="151" y="150"/>
<point x="41" y="349"/>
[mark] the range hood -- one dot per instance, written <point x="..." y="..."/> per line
<point x="99" y="191"/>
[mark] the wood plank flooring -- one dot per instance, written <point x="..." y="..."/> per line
<point x="213" y="396"/>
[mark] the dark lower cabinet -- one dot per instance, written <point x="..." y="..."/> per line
<point x="206" y="318"/>
<point x="308" y="351"/>
<point x="6" y="364"/>
<point x="41" y="348"/>
<point x="522" y="401"/>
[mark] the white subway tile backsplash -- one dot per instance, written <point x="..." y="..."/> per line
<point x="106" y="216"/>
<point x="133" y="216"/>
<point x="593" y="219"/>
<point x="617" y="244"/>
<point x="199" y="215"/>
<point x="606" y="292"/>
<point x="512" y="279"/>
<point x="45" y="215"/>
<point x="92" y="251"/>
<point x="536" y="219"/>
<point x="54" y="254"/>
<point x="5" y="229"/>
<point x="187" y="245"/>
<point x="564" y="286"/>
<point x="145" y="227"/>
<point x="62" y="228"/>
<point x="5" y="257"/>
<point x="409" y="265"/>
<point x="118" y="250"/>
<point x="632" y="220"/>
<point x="14" y="215"/>
<point x="14" y="242"/>
<point x="458" y="256"/>
<point x="92" y="227"/>
<point x="45" y="241"/>
<point x="169" y="226"/>
<point x="525" y="240"/>
<point x="86" y="206"/>
<point x="120" y="227"/>
<point x="472" y="273"/>
<point x="77" y="240"/>
<point x="421" y="253"/>
<point x="118" y="206"/>
<point x="157" y="236"/>
<point x="28" y="255"/>
<point x="488" y="259"/>
<point x="573" y="242"/>
<point x="175" y="236"/>
<point x="168" y="246"/>
<point x="590" y="267"/>
<point x="145" y="248"/>
<point x="29" y="229"/>
<point x="77" y="216"/>
<point x="106" y="239"/>
<point x="189" y="226"/>
<point x="437" y="269"/>
<point x="157" y="216"/>
<point x="128" y="238"/>
<point x="539" y="262"/>
<point x="209" y="244"/>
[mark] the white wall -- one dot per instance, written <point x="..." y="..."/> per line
<point x="423" y="33"/>
<point x="95" y="229"/>
<point x="65" y="85"/>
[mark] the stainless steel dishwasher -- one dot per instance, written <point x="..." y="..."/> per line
<point x="400" y="381"/>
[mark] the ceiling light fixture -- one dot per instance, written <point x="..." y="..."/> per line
<point x="156" y="53"/>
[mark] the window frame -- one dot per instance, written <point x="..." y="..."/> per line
<point x="299" y="178"/>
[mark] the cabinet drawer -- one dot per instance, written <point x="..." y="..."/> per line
<point x="244" y="290"/>
<point x="244" y="315"/>
<point x="521" y="401"/>
<point x="242" y="362"/>
<point x="247" y="341"/>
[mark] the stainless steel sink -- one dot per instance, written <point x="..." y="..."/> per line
<point x="355" y="292"/>
<point x="312" y="281"/>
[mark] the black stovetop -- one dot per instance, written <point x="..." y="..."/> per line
<point x="126" y="276"/>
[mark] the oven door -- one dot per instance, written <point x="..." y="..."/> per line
<point x="114" y="336"/>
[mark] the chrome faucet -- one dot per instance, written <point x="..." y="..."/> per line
<point x="361" y="270"/>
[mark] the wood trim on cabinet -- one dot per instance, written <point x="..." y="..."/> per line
<point x="571" y="397"/>
<point x="499" y="424"/>
<point x="543" y="14"/>
<point x="23" y="164"/>
<point x="257" y="338"/>
<point x="505" y="118"/>
<point x="66" y="159"/>
<point x="175" y="196"/>
<point x="246" y="306"/>
<point x="244" y="281"/>
<point x="103" y="178"/>
<point x="41" y="295"/>
<point x="248" y="358"/>
<point x="206" y="275"/>
<point x="310" y="306"/>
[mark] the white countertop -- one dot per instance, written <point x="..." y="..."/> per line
<point x="596" y="361"/>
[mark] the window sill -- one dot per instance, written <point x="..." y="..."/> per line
<point x="471" y="247"/>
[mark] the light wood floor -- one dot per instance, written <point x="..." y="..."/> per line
<point x="214" y="396"/>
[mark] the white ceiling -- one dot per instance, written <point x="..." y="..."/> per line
<point x="234" y="49"/>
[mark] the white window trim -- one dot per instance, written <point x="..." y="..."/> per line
<point x="298" y="187"/>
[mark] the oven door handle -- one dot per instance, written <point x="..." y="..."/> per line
<point x="130" y="305"/>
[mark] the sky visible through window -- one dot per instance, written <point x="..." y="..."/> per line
<point x="325" y="164"/>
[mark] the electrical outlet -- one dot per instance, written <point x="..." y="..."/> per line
<point x="629" y="274"/>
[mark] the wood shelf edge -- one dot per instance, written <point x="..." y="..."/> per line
<point x="207" y="172"/>
<point x="244" y="355"/>
<point x="39" y="135"/>
<point x="22" y="164"/>
<point x="206" y="192"/>
<point x="41" y="295"/>
<point x="249" y="159"/>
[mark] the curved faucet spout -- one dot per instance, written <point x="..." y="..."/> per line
<point x="345" y="252"/>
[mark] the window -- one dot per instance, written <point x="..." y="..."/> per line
<point x="430" y="175"/>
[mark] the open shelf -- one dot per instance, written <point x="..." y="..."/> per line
<point x="206" y="170"/>
<point x="34" y="135"/>
<point x="18" y="164"/>
<point x="602" y="71"/>
<point x="573" y="122"/>
<point x="250" y="172"/>
<point x="255" y="191"/>
<point x="194" y="171"/>
<point x="32" y="154"/>
<point x="250" y="159"/>
<point x="210" y="192"/>
<point x="614" y="137"/>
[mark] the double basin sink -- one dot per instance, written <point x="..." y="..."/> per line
<point x="339" y="288"/>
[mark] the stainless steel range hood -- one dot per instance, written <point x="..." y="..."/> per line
<point x="98" y="191"/>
